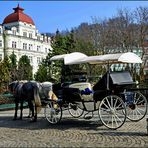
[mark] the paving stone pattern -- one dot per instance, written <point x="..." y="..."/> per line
<point x="69" y="133"/>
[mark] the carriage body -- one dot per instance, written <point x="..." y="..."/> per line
<point x="111" y="96"/>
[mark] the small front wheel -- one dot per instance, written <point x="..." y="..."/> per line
<point x="112" y="112"/>
<point x="75" y="110"/>
<point x="53" y="112"/>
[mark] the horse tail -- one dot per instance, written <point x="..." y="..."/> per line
<point x="37" y="99"/>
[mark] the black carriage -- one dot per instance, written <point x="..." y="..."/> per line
<point x="112" y="96"/>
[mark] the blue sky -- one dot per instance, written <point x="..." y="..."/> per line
<point x="49" y="16"/>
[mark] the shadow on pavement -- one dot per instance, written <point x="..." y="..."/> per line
<point x="42" y="123"/>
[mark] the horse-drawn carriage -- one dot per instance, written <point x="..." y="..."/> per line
<point x="112" y="96"/>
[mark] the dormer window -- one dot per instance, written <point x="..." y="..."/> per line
<point x="14" y="32"/>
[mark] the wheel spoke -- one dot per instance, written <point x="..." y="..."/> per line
<point x="108" y="103"/>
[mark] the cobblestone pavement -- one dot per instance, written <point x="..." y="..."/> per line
<point x="69" y="133"/>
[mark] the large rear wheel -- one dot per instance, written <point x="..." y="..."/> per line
<point x="112" y="112"/>
<point x="137" y="109"/>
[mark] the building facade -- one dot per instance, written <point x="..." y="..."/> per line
<point x="18" y="33"/>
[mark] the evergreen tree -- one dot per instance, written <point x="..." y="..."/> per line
<point x="4" y="72"/>
<point x="13" y="67"/>
<point x="41" y="74"/>
<point x="24" y="68"/>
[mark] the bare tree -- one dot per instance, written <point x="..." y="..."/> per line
<point x="141" y="18"/>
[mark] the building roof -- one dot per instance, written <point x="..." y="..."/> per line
<point x="17" y="16"/>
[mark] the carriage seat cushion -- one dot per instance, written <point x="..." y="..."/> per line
<point x="84" y="87"/>
<point x="85" y="90"/>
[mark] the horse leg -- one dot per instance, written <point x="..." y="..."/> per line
<point x="21" y="110"/>
<point x="31" y="106"/>
<point x="30" y="112"/>
<point x="35" y="117"/>
<point x="16" y="109"/>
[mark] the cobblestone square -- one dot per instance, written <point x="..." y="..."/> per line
<point x="70" y="132"/>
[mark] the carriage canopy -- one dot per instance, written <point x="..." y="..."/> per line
<point x="78" y="58"/>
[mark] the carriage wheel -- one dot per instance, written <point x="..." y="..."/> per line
<point x="138" y="109"/>
<point x="53" y="112"/>
<point x="112" y="112"/>
<point x="75" y="110"/>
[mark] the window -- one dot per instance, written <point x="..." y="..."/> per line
<point x="38" y="48"/>
<point x="24" y="45"/>
<point x="38" y="60"/>
<point x="31" y="60"/>
<point x="0" y="30"/>
<point x="0" y="43"/>
<point x="30" y="47"/>
<point x="38" y="38"/>
<point x="25" y="34"/>
<point x="0" y="57"/>
<point x="14" y="32"/>
<point x="30" y="35"/>
<point x="13" y="44"/>
<point x="46" y="50"/>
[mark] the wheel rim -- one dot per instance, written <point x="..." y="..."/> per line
<point x="75" y="110"/>
<point x="112" y="112"/>
<point x="53" y="112"/>
<point x="139" y="110"/>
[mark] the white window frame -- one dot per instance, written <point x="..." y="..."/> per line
<point x="25" y="46"/>
<point x="14" y="44"/>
